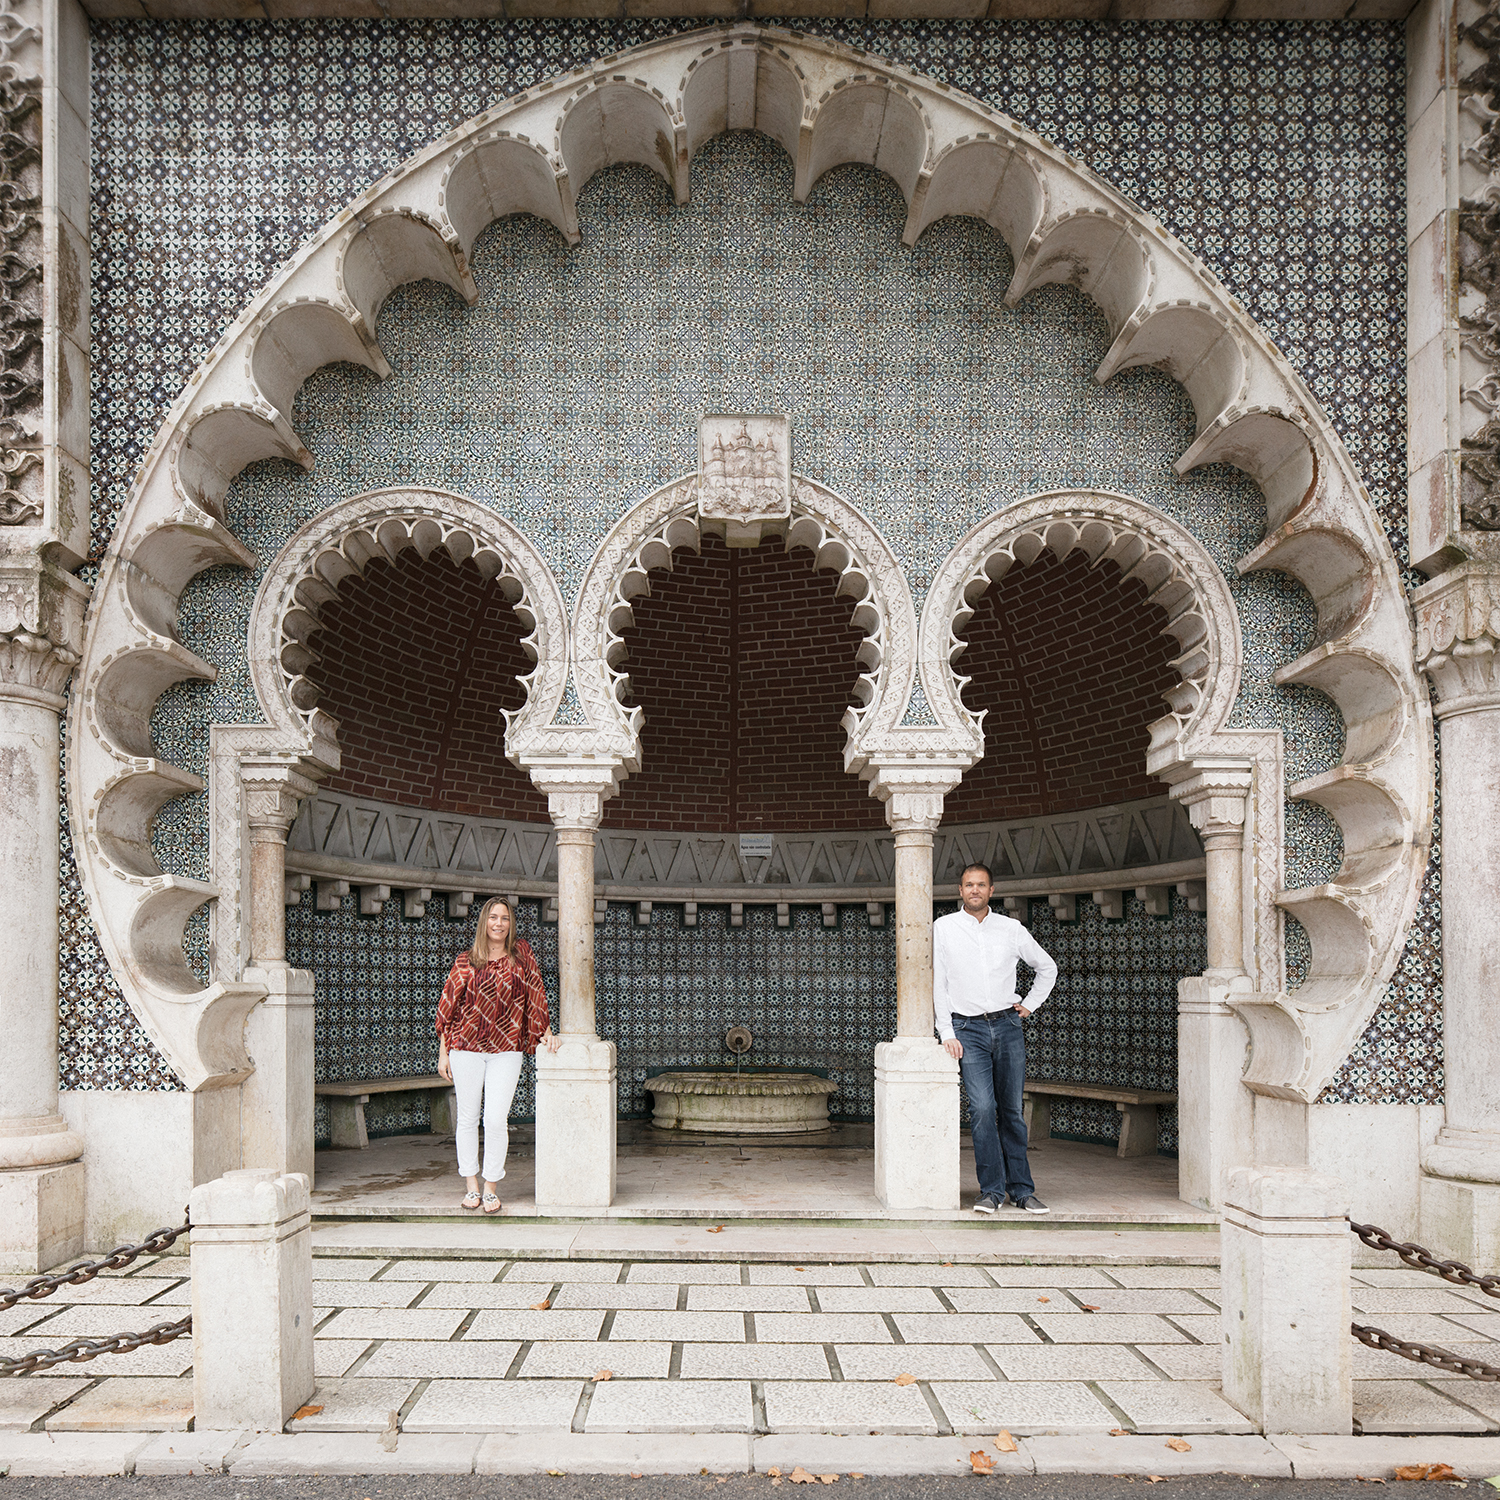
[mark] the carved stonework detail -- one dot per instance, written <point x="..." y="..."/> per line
<point x="20" y="272"/>
<point x="744" y="475"/>
<point x="1458" y="637"/>
<point x="41" y="629"/>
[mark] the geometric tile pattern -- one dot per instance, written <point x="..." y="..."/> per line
<point x="198" y="196"/>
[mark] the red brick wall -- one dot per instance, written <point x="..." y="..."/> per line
<point x="1071" y="665"/>
<point x="418" y="659"/>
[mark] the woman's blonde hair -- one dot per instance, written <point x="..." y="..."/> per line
<point x="480" y="952"/>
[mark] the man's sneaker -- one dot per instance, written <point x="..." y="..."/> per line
<point x="987" y="1204"/>
<point x="1030" y="1205"/>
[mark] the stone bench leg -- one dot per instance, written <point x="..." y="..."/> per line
<point x="346" y="1120"/>
<point x="442" y="1105"/>
<point x="1037" y="1110"/>
<point x="1137" y="1129"/>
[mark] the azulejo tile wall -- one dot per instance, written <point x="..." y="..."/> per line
<point x="814" y="997"/>
<point x="1274" y="151"/>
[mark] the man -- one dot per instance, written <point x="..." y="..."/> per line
<point x="979" y="1016"/>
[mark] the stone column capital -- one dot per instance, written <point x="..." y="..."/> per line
<point x="1215" y="790"/>
<point x="913" y="793"/>
<point x="576" y="793"/>
<point x="41" y="629"/>
<point x="275" y="786"/>
<point x="1458" y="637"/>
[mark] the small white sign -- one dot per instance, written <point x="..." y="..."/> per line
<point x="755" y="845"/>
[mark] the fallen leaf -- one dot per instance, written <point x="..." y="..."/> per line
<point x="948" y="1263"/>
<point x="774" y="1473"/>
<point x="855" y="1474"/>
<point x="1177" y="1445"/>
<point x="1368" y="1479"/>
<point x="1005" y="1442"/>
<point x="981" y="1463"/>
<point x="542" y="1307"/>
<point x="637" y="1476"/>
<point x="1426" y="1471"/>
<point x="717" y="1229"/>
<point x="1493" y="1481"/>
<point x="604" y="1374"/>
<point x="1043" y="1299"/>
<point x="1089" y="1307"/>
<point x="1155" y="1478"/>
<point x="829" y="1478"/>
<point x="1118" y="1432"/>
<point x="1441" y="1471"/>
<point x="305" y="1411"/>
<point x="556" y="1473"/>
<point x="799" y="1475"/>
<point x="799" y="1268"/>
<point x="902" y="1379"/>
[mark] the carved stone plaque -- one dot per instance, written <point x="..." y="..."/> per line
<point x="744" y="474"/>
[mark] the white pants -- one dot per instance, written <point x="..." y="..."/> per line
<point x="492" y="1075"/>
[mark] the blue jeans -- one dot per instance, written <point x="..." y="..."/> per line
<point x="993" y="1069"/>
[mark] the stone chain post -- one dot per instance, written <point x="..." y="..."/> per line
<point x="916" y="1082"/>
<point x="1458" y="646"/>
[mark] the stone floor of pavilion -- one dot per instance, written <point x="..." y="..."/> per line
<point x="664" y="1175"/>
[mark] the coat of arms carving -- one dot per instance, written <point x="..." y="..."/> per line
<point x="744" y="475"/>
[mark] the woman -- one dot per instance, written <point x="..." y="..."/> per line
<point x="494" y="1009"/>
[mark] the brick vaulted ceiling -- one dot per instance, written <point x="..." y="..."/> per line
<point x="743" y="662"/>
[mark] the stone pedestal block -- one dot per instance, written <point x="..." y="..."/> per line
<point x="41" y="1217"/>
<point x="252" y="1300"/>
<point x="1288" y="1356"/>
<point x="575" y="1124"/>
<point x="916" y="1125"/>
<point x="276" y="1101"/>
<point x="1462" y="1220"/>
<point x="1215" y="1111"/>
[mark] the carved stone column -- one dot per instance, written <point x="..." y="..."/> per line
<point x="1458" y="646"/>
<point x="1215" y="1111"/>
<point x="916" y="1082"/>
<point x="41" y="1176"/>
<point x="276" y="1101"/>
<point x="576" y="1105"/>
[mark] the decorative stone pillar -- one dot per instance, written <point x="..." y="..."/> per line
<point x="1458" y="646"/>
<point x="916" y="1082"/>
<point x="1215" y="1111"/>
<point x="576" y="1106"/>
<point x="276" y="1101"/>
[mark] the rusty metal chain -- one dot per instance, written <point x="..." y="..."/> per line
<point x="1424" y="1354"/>
<point x="1421" y="1259"/>
<point x="81" y="1349"/>
<point x="44" y="1286"/>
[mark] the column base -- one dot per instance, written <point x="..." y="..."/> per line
<point x="1215" y="1111"/>
<point x="276" y="1100"/>
<point x="1461" y="1221"/>
<point x="41" y="1217"/>
<point x="576" y="1110"/>
<point x="916" y="1125"/>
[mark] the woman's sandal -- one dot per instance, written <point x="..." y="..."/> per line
<point x="471" y="1200"/>
<point x="491" y="1203"/>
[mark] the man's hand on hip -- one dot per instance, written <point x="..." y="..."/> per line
<point x="1024" y="1014"/>
<point x="954" y="1048"/>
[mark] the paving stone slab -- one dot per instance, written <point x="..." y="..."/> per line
<point x="1081" y="1277"/>
<point x="354" y="1404"/>
<point x="559" y="1323"/>
<point x="1196" y="1361"/>
<point x="964" y="1328"/>
<point x="1107" y="1328"/>
<point x="880" y="1299"/>
<point x="278" y="1453"/>
<point x="67" y="1455"/>
<point x="495" y="1406"/>
<point x="182" y="1455"/>
<point x="394" y="1323"/>
<point x="1159" y="1276"/>
<point x="1380" y="1301"/>
<point x="515" y="1295"/>
<point x="1429" y="1328"/>
<point x="23" y="1402"/>
<point x="332" y="1357"/>
<point x="428" y="1359"/>
<point x="439" y="1270"/>
<point x="610" y="1453"/>
<point x="347" y="1267"/>
<point x="552" y="1271"/>
<point x="1380" y="1457"/>
<point x="821" y="1328"/>
<point x="820" y="1453"/>
<point x="97" y="1320"/>
<point x="671" y="1406"/>
<point x="1482" y="1395"/>
<point x="370" y="1294"/>
<point x="1165" y="1300"/>
<point x="1402" y="1406"/>
<point x="1014" y="1299"/>
<point x="122" y="1291"/>
<point x="1031" y="1406"/>
<point x="806" y="1275"/>
<point x="175" y="1358"/>
<point x="754" y="1362"/>
<point x="945" y="1276"/>
<point x="18" y="1319"/>
<point x="1072" y="1362"/>
<point x="129" y="1403"/>
<point x="1207" y="1328"/>
<point x="925" y="1361"/>
<point x="786" y="1299"/>
<point x="1395" y="1276"/>
<point x="584" y="1361"/>
<point x="686" y="1273"/>
<point x="1254" y="1457"/>
<point x="648" y="1298"/>
<point x="681" y="1327"/>
<point x="848" y="1407"/>
<point x="1175" y="1407"/>
<point x="1486" y="1325"/>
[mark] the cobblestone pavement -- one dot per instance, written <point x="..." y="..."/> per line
<point x="476" y="1346"/>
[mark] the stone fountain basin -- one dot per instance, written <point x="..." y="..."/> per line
<point x="741" y="1104"/>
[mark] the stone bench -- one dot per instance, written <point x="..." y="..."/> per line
<point x="346" y="1105"/>
<point x="1137" y="1108"/>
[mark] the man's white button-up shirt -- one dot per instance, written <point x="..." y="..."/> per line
<point x="974" y="967"/>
